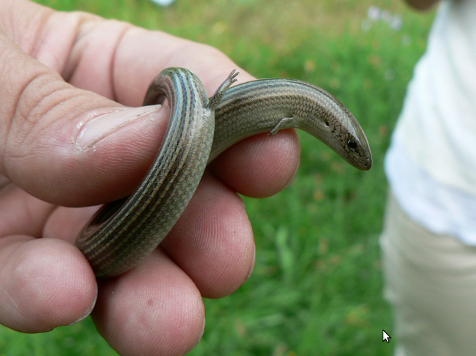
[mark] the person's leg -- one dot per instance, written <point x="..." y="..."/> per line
<point x="430" y="281"/>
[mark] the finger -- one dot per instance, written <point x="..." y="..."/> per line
<point x="51" y="131"/>
<point x="66" y="223"/>
<point x="213" y="240"/>
<point x="154" y="309"/>
<point x="44" y="283"/>
<point x="133" y="73"/>
<point x="21" y="213"/>
<point x="260" y="166"/>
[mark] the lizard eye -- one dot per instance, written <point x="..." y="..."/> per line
<point x="352" y="145"/>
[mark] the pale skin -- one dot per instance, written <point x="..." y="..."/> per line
<point x="58" y="73"/>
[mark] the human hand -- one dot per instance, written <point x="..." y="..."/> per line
<point x="68" y="139"/>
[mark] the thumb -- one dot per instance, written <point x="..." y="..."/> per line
<point x="62" y="144"/>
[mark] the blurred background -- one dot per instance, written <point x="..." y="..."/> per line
<point x="317" y="285"/>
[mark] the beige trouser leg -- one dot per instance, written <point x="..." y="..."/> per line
<point x="431" y="284"/>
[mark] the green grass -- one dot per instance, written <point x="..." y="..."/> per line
<point x="317" y="286"/>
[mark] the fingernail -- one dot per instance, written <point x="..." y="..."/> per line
<point x="103" y="122"/>
<point x="252" y="267"/>
<point x="199" y="337"/>
<point x="90" y="309"/>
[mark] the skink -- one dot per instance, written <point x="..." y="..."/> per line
<point x="122" y="233"/>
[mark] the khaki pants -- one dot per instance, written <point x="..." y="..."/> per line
<point x="430" y="281"/>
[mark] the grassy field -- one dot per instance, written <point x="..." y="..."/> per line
<point x="317" y="286"/>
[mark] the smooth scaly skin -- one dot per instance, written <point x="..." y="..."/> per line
<point x="124" y="232"/>
<point x="270" y="105"/>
